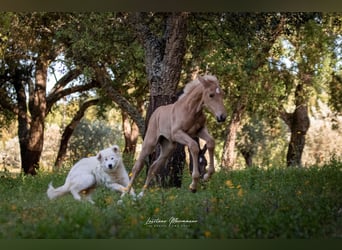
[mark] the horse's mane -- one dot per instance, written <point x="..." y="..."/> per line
<point x="193" y="84"/>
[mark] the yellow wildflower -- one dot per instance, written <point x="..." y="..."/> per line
<point x="109" y="200"/>
<point x="134" y="221"/>
<point x="207" y="234"/>
<point x="240" y="193"/>
<point x="230" y="184"/>
<point x="156" y="210"/>
<point x="172" y="197"/>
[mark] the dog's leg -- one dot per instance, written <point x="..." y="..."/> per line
<point x="120" y="188"/>
<point x="88" y="198"/>
<point x="75" y="194"/>
<point x="88" y="192"/>
<point x="83" y="182"/>
<point x="116" y="187"/>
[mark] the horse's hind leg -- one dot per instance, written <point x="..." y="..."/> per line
<point x="139" y="164"/>
<point x="148" y="146"/>
<point x="185" y="139"/>
<point x="166" y="149"/>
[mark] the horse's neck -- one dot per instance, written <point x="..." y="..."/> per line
<point x="193" y="101"/>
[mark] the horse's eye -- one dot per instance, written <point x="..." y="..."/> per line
<point x="211" y="95"/>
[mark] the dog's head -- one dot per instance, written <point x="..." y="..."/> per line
<point x="109" y="158"/>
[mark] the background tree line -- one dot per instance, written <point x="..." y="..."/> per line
<point x="272" y="67"/>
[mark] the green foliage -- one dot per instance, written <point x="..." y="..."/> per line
<point x="90" y="137"/>
<point x="252" y="203"/>
<point x="335" y="91"/>
<point x="263" y="139"/>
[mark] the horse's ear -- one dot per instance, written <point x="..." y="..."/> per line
<point x="204" y="81"/>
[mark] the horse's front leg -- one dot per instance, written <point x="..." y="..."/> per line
<point x="204" y="134"/>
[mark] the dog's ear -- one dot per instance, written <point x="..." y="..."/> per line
<point x="116" y="149"/>
<point x="99" y="156"/>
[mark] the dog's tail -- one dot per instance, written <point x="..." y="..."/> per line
<point x="53" y="193"/>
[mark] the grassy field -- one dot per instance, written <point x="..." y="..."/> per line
<point x="252" y="203"/>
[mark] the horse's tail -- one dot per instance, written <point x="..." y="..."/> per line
<point x="53" y="193"/>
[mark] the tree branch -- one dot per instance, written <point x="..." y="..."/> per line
<point x="145" y="35"/>
<point x="68" y="77"/>
<point x="53" y="98"/>
<point x="124" y="104"/>
<point x="70" y="129"/>
<point x="286" y="117"/>
<point x="6" y="104"/>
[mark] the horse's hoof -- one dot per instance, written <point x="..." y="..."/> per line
<point x="206" y="177"/>
<point x="193" y="190"/>
<point x="140" y="195"/>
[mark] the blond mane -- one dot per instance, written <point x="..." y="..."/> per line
<point x="194" y="83"/>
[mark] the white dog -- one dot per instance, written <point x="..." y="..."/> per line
<point x="105" y="169"/>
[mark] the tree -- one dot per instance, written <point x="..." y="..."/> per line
<point x="106" y="44"/>
<point x="311" y="44"/>
<point x="245" y="45"/>
<point x="163" y="37"/>
<point x="70" y="129"/>
<point x="239" y="56"/>
<point x="31" y="47"/>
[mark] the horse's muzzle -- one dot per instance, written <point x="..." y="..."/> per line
<point x="221" y="118"/>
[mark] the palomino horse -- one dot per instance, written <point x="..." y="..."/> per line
<point x="181" y="122"/>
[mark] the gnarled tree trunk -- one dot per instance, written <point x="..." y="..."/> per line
<point x="164" y="56"/>
<point x="37" y="106"/>
<point x="23" y="118"/>
<point x="299" y="124"/>
<point x="131" y="133"/>
<point x="228" y="156"/>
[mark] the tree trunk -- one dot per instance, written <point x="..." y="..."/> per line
<point x="228" y="157"/>
<point x="299" y="124"/>
<point x="248" y="156"/>
<point x="23" y="119"/>
<point x="37" y="107"/>
<point x="104" y="81"/>
<point x="131" y="133"/>
<point x="70" y="129"/>
<point x="164" y="56"/>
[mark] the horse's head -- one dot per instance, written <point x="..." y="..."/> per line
<point x="213" y="97"/>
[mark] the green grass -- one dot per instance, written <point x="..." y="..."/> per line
<point x="252" y="203"/>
